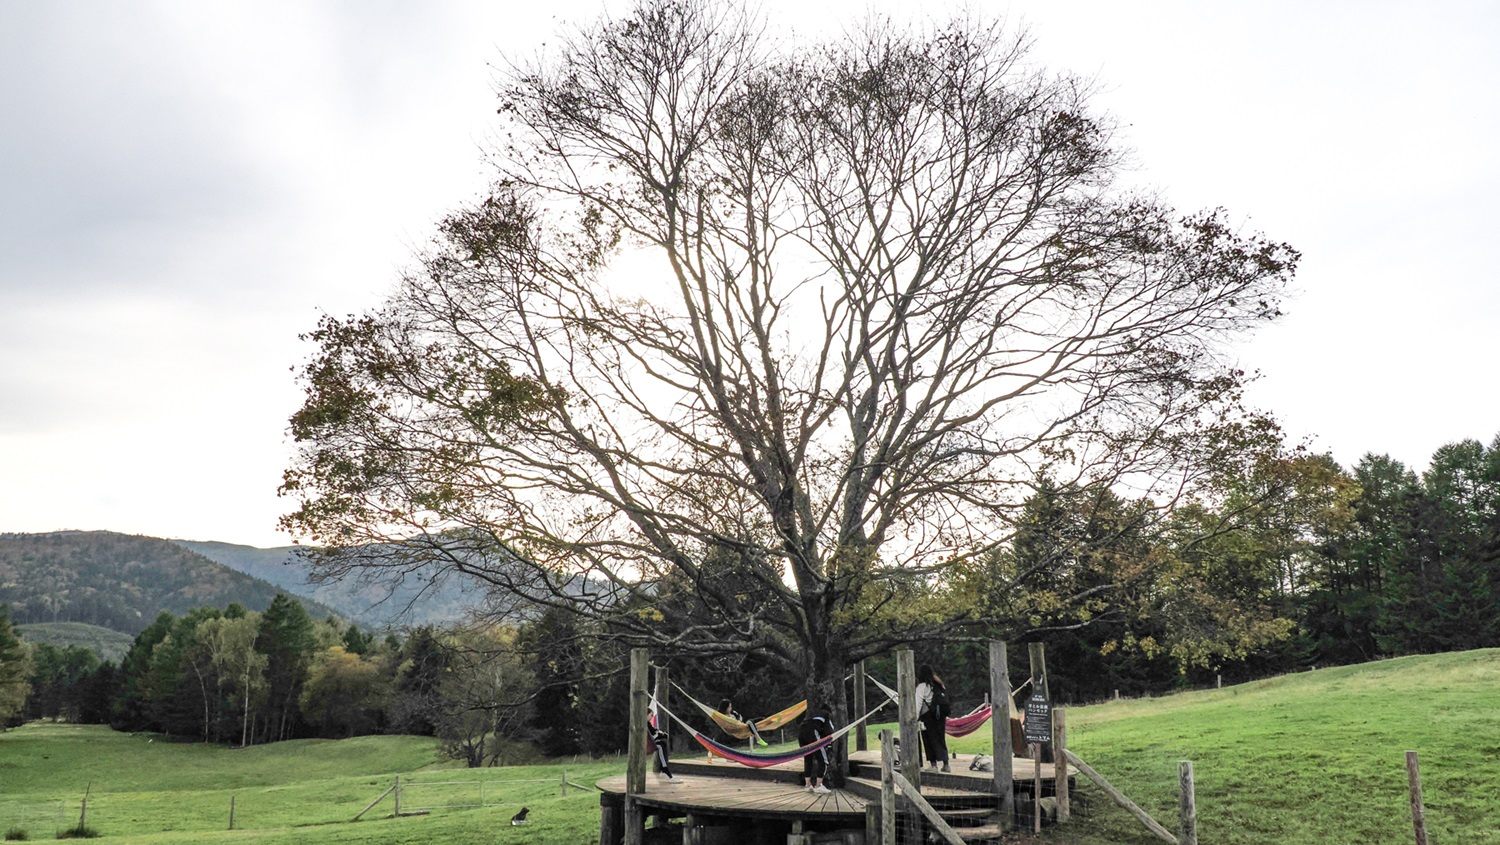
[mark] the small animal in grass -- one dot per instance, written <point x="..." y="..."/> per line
<point x="520" y="818"/>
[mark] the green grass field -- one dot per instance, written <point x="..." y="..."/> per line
<point x="1308" y="759"/>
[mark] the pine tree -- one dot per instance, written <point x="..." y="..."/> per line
<point x="287" y="640"/>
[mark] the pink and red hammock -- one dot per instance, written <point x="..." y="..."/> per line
<point x="955" y="725"/>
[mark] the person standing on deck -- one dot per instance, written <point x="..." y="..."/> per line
<point x="932" y="711"/>
<point x="815" y="765"/>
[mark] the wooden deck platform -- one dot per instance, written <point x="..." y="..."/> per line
<point x="742" y="797"/>
<point x="725" y="793"/>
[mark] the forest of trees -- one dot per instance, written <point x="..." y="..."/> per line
<point x="1293" y="562"/>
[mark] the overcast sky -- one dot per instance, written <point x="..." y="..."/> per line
<point x="186" y="186"/>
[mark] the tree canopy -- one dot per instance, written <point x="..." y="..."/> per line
<point x="754" y="341"/>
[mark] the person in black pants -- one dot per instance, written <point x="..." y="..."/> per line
<point x="815" y="765"/>
<point x="932" y="711"/>
<point x="658" y="739"/>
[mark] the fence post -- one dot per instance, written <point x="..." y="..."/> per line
<point x="861" y="740"/>
<point x="1418" y="813"/>
<point x="564" y="783"/>
<point x="397" y="790"/>
<point x="1187" y="805"/>
<point x="1060" y="763"/>
<point x="887" y="790"/>
<point x="1001" y="744"/>
<point x="231" y="811"/>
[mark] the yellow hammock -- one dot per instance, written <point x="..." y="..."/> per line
<point x="740" y="730"/>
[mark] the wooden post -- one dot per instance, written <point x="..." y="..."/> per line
<point x="1117" y="695"/>
<point x="1000" y="733"/>
<point x="1060" y="763"/>
<point x="872" y="824"/>
<point x="1418" y="812"/>
<point x="1218" y="681"/>
<point x="1187" y="805"/>
<point x="1036" y="798"/>
<point x="692" y="830"/>
<point x="635" y="766"/>
<point x="397" y="790"/>
<point x="861" y="741"/>
<point x="564" y="791"/>
<point x="83" y="812"/>
<point x="887" y="790"/>
<point x="663" y="691"/>
<point x="911" y="738"/>
<point x="231" y="811"/>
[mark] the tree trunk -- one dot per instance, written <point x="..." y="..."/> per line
<point x="245" y="717"/>
<point x="825" y="688"/>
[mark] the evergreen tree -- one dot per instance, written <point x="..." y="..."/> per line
<point x="287" y="639"/>
<point x="130" y="708"/>
<point x="15" y="670"/>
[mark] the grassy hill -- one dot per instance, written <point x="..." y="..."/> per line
<point x="1308" y="759"/>
<point x="393" y="600"/>
<point x="116" y="581"/>
<point x="110" y="645"/>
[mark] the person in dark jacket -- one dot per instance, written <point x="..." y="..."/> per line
<point x="817" y="725"/>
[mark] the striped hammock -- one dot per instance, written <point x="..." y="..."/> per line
<point x="763" y="761"/>
<point x="740" y="730"/>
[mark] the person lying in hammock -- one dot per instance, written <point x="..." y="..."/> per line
<point x="727" y="708"/>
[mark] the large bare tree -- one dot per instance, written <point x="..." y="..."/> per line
<point x="754" y="341"/>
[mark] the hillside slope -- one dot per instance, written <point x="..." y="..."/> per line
<point x="116" y="581"/>
<point x="108" y="644"/>
<point x="412" y="599"/>
<point x="1315" y="758"/>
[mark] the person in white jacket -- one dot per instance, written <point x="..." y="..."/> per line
<point x="932" y="712"/>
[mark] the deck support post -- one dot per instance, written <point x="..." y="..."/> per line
<point x="911" y="736"/>
<point x="663" y="724"/>
<point x="887" y="789"/>
<point x="861" y="740"/>
<point x="1004" y="752"/>
<point x="635" y="767"/>
<point x="1060" y="763"/>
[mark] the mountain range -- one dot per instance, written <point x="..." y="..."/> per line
<point x="121" y="582"/>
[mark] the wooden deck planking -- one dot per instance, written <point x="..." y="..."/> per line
<point x="741" y="796"/>
<point x="1022" y="768"/>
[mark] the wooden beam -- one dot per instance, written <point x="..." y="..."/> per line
<point x="861" y="740"/>
<point x="1120" y="798"/>
<point x="1001" y="744"/>
<point x="378" y="799"/>
<point x="914" y="797"/>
